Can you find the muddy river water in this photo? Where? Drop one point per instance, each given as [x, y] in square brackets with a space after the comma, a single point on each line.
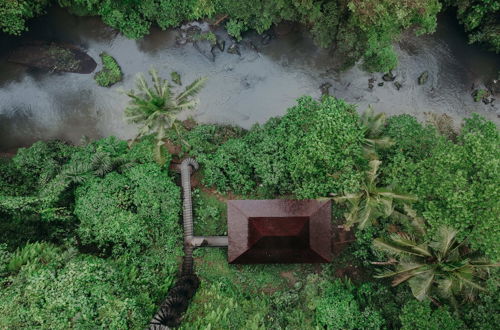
[241, 89]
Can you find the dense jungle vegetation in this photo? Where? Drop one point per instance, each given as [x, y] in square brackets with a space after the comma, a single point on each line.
[91, 234]
[356, 29]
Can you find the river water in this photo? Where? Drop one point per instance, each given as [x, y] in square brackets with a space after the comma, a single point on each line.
[241, 90]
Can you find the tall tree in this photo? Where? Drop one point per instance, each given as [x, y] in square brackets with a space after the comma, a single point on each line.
[371, 201]
[155, 107]
[441, 267]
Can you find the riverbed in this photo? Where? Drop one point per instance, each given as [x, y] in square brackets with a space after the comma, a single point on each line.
[242, 90]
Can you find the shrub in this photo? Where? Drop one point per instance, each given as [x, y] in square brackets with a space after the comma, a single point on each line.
[206, 138]
[420, 315]
[81, 292]
[411, 138]
[311, 151]
[129, 211]
[485, 312]
[322, 142]
[338, 309]
[41, 162]
[215, 308]
[270, 158]
[456, 183]
[210, 215]
[110, 73]
[229, 168]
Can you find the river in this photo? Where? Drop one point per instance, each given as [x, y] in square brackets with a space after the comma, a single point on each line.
[241, 90]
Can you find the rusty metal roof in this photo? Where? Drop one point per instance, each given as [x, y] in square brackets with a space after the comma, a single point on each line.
[279, 231]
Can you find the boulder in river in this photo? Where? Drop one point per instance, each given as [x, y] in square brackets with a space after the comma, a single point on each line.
[380, 84]
[234, 49]
[398, 85]
[221, 44]
[325, 88]
[53, 57]
[494, 86]
[389, 76]
[424, 76]
[205, 48]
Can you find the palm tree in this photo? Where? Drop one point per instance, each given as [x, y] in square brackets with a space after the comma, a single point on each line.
[155, 108]
[371, 202]
[441, 266]
[374, 140]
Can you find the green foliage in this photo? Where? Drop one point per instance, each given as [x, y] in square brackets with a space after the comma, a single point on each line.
[456, 183]
[31, 253]
[15, 13]
[206, 138]
[235, 28]
[438, 267]
[210, 215]
[323, 146]
[65, 293]
[311, 151]
[220, 310]
[229, 169]
[338, 308]
[110, 73]
[206, 36]
[126, 212]
[371, 202]
[484, 313]
[374, 139]
[155, 108]
[480, 94]
[55, 286]
[480, 19]
[176, 77]
[420, 315]
[41, 162]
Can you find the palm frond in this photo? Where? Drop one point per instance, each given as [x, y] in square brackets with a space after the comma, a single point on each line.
[371, 174]
[381, 143]
[386, 192]
[394, 248]
[445, 241]
[352, 197]
[421, 284]
[101, 163]
[366, 215]
[191, 90]
[417, 223]
[469, 282]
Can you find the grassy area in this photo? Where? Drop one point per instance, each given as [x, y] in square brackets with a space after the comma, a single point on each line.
[110, 73]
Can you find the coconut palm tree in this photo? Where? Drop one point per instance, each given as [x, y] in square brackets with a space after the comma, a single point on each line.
[439, 267]
[374, 125]
[155, 107]
[370, 202]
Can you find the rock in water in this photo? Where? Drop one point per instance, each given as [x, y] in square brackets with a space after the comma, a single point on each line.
[380, 84]
[422, 79]
[325, 88]
[234, 49]
[398, 85]
[221, 44]
[389, 76]
[266, 38]
[205, 48]
[53, 57]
